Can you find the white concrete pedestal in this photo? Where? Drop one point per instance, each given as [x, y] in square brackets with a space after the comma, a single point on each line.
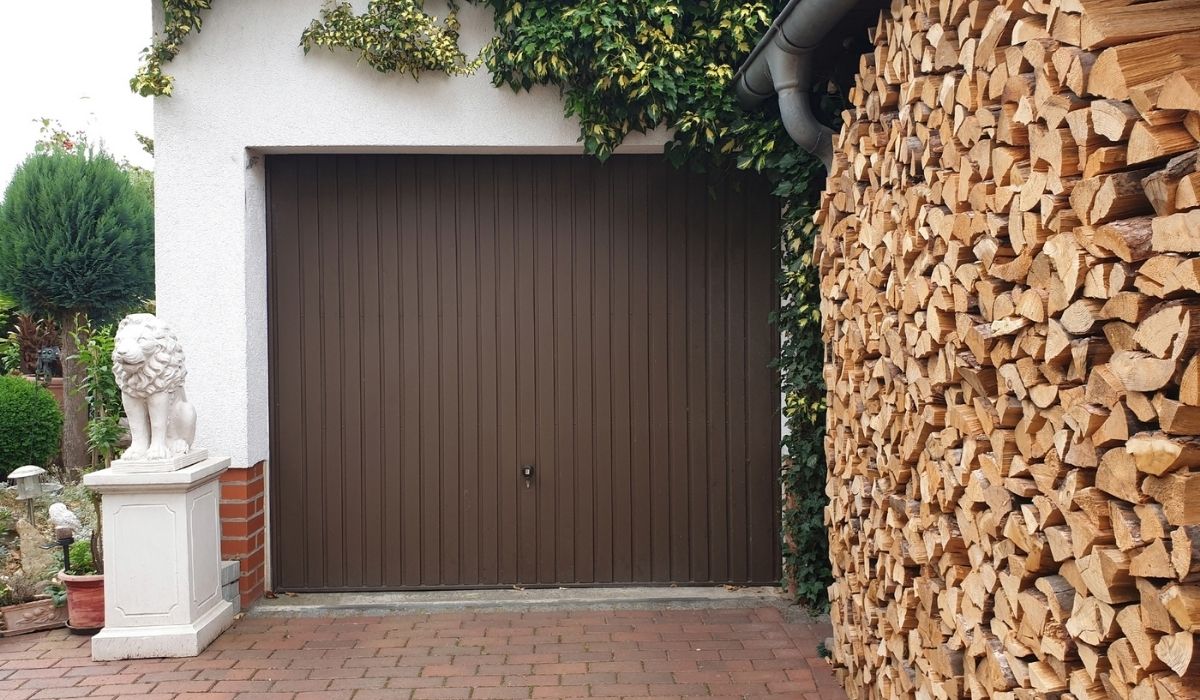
[162, 562]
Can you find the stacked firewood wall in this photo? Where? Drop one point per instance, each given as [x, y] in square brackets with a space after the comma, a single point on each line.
[1010, 260]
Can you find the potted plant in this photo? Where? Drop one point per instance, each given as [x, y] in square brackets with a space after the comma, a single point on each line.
[84, 583]
[83, 577]
[30, 604]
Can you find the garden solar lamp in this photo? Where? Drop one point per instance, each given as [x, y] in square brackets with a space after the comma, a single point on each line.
[28, 483]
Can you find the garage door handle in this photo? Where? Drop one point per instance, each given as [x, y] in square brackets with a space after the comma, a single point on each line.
[527, 474]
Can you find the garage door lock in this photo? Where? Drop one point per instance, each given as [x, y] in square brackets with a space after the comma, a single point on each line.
[527, 474]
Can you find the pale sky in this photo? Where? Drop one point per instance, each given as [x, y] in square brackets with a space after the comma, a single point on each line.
[71, 60]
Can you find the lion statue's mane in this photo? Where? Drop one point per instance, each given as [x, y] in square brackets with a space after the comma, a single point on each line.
[163, 369]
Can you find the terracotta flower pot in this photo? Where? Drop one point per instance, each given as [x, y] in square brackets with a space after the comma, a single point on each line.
[85, 601]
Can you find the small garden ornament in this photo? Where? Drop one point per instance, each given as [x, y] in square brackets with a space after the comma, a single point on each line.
[48, 365]
[63, 517]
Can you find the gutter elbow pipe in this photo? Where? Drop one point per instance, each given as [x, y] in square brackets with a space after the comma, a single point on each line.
[795, 107]
[795, 103]
[781, 64]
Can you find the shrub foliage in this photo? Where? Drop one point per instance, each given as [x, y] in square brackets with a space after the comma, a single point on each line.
[75, 236]
[30, 424]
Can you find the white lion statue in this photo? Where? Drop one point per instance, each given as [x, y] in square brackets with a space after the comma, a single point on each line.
[148, 366]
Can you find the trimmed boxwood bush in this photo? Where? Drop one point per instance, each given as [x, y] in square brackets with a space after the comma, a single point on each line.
[30, 424]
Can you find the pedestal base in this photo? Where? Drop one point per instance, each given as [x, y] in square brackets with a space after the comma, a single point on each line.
[116, 643]
[162, 562]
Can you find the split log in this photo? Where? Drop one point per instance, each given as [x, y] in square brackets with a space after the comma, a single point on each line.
[1108, 24]
[1144, 64]
[1177, 233]
[1181, 90]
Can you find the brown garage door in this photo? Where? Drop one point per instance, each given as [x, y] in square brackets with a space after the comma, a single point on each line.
[437, 322]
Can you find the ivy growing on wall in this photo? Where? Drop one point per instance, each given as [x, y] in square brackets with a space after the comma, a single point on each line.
[394, 36]
[180, 18]
[805, 546]
[632, 65]
[627, 66]
[391, 36]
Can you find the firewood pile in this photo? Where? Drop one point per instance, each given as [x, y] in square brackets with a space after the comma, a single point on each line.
[1010, 261]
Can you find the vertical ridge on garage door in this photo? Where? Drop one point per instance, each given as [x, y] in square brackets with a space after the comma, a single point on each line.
[439, 321]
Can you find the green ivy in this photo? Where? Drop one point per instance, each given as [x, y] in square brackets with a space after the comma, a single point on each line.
[626, 66]
[180, 18]
[806, 545]
[394, 36]
[630, 66]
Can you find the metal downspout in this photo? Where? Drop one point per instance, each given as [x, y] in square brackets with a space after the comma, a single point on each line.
[781, 64]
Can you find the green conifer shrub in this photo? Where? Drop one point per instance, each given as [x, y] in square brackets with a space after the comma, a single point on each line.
[76, 243]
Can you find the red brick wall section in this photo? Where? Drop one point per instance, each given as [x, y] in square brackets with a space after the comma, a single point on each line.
[244, 527]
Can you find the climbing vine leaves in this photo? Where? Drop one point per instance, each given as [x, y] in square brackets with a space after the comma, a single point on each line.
[632, 65]
[805, 546]
[626, 66]
[394, 36]
[180, 18]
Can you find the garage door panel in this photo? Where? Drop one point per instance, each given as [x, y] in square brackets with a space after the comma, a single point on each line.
[506, 360]
[438, 321]
[428, 345]
[736, 322]
[376, 462]
[696, 235]
[446, 468]
[556, 216]
[713, 383]
[290, 396]
[353, 349]
[487, 369]
[305, 469]
[631, 476]
[762, 435]
[543, 427]
[524, 226]
[602, 342]
[677, 380]
[329, 467]
[469, 354]
[389, 371]
[657, 392]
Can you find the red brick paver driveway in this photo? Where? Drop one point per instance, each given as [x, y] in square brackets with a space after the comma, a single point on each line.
[727, 653]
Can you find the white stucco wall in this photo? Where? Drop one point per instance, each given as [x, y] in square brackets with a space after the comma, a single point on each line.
[243, 88]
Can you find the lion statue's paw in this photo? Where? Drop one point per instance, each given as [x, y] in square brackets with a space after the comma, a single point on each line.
[157, 453]
[179, 447]
[133, 454]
